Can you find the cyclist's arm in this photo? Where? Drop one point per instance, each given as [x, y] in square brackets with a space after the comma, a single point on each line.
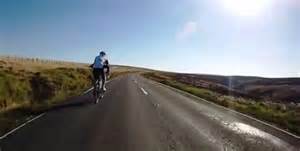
[92, 65]
[106, 65]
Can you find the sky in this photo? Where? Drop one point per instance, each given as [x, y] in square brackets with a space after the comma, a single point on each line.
[227, 37]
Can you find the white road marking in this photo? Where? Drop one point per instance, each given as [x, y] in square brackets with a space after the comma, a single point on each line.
[250, 117]
[27, 122]
[39, 116]
[92, 88]
[145, 92]
[87, 91]
[155, 105]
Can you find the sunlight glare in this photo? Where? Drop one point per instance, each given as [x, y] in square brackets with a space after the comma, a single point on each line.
[246, 7]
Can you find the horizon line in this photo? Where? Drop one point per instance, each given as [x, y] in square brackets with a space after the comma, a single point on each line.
[144, 67]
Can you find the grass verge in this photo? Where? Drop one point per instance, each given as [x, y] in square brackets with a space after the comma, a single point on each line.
[24, 94]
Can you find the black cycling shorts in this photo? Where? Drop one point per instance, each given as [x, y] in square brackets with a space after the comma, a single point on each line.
[97, 72]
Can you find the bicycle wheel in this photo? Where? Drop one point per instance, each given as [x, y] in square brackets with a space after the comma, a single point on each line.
[98, 91]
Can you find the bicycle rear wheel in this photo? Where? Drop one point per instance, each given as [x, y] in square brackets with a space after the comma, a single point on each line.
[98, 93]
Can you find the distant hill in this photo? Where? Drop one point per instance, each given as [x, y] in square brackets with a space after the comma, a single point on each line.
[271, 89]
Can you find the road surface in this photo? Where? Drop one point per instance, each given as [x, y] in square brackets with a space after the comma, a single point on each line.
[137, 114]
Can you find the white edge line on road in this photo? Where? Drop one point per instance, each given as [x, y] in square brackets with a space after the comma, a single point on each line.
[284, 131]
[90, 89]
[145, 92]
[87, 91]
[22, 125]
[39, 116]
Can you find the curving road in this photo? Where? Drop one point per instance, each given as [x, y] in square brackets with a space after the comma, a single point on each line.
[138, 114]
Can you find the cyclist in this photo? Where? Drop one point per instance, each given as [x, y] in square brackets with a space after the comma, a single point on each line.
[99, 66]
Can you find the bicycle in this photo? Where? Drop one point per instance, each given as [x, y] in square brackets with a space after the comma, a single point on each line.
[98, 91]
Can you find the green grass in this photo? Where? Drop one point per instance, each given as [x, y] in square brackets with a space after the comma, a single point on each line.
[45, 86]
[286, 118]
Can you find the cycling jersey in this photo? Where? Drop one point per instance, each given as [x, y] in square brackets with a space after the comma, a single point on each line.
[99, 62]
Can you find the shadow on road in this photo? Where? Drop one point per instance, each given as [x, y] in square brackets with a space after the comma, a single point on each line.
[78, 101]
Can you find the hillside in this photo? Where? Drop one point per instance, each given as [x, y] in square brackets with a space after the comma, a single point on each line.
[269, 89]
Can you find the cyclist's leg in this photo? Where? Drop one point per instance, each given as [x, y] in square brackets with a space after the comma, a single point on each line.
[96, 75]
[94, 81]
[103, 79]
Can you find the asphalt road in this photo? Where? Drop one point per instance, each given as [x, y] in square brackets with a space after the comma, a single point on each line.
[141, 115]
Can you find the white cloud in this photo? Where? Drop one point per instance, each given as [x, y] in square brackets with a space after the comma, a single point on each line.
[187, 31]
[298, 74]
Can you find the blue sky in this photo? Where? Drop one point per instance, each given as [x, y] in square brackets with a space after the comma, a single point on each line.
[228, 37]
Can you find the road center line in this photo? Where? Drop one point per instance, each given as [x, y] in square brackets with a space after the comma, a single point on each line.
[145, 92]
[15, 129]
